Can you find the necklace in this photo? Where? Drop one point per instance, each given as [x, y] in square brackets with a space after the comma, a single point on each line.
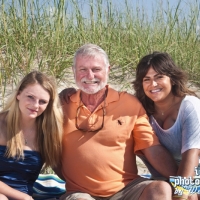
[28, 134]
[25, 141]
[163, 112]
[172, 105]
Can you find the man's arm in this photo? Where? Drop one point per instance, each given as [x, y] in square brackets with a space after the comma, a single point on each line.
[161, 160]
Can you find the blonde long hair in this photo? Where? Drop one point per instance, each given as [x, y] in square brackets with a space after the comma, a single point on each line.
[49, 123]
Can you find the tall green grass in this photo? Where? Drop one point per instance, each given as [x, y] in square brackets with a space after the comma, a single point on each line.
[45, 36]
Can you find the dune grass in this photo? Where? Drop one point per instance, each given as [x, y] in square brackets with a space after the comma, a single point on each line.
[45, 36]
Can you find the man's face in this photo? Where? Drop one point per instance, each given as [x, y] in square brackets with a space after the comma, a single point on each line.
[91, 73]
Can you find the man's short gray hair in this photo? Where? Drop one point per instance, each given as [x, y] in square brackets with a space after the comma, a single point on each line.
[91, 50]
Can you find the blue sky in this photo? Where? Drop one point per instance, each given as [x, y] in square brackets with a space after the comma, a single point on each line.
[147, 6]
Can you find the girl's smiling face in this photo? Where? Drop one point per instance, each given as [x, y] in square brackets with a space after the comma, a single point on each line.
[33, 101]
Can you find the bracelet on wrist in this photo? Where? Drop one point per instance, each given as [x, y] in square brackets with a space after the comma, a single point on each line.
[180, 197]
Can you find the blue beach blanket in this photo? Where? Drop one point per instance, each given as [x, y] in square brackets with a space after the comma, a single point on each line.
[51, 187]
[48, 186]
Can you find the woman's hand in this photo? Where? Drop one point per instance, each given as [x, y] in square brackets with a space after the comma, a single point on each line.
[7, 192]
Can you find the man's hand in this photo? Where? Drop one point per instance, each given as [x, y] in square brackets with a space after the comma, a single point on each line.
[66, 94]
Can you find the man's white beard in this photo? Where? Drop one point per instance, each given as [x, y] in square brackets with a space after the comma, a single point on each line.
[92, 90]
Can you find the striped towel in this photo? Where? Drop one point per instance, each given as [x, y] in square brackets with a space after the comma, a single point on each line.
[48, 186]
[148, 176]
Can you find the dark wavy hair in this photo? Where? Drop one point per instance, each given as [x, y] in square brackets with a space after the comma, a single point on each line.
[163, 64]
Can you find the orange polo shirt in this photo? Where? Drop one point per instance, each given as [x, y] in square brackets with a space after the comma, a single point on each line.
[101, 163]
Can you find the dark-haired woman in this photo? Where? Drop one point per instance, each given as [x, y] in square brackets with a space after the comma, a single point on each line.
[173, 109]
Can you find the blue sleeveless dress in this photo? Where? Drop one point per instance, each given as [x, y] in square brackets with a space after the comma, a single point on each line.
[20, 174]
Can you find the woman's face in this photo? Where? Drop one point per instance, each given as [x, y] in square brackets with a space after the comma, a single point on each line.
[157, 86]
[33, 100]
